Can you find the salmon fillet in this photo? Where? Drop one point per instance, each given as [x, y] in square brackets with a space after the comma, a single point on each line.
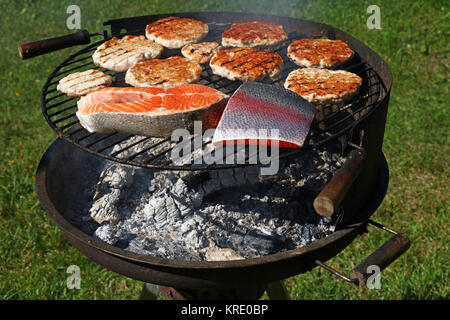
[261, 113]
[150, 111]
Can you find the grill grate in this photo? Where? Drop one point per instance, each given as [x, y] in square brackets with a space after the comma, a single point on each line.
[149, 152]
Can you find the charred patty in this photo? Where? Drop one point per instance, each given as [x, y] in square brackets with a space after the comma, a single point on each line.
[121, 54]
[81, 83]
[323, 86]
[319, 53]
[163, 73]
[254, 34]
[200, 52]
[246, 64]
[175, 32]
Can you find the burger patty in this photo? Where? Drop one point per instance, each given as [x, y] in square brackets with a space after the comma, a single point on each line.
[319, 53]
[121, 54]
[81, 83]
[254, 34]
[175, 32]
[323, 86]
[200, 52]
[163, 73]
[246, 64]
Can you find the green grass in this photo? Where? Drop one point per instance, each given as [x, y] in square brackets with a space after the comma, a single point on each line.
[34, 255]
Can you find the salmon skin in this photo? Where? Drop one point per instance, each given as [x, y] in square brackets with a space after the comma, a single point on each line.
[259, 113]
[150, 111]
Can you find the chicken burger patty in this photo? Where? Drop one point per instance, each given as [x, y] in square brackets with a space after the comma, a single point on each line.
[175, 32]
[254, 34]
[323, 86]
[319, 53]
[163, 73]
[246, 64]
[121, 54]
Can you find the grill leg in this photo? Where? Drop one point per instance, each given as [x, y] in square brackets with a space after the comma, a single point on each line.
[149, 292]
[236, 293]
[277, 291]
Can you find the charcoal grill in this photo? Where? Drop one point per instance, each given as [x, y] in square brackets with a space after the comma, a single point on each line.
[358, 189]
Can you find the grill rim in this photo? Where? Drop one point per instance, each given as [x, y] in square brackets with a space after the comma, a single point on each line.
[326, 29]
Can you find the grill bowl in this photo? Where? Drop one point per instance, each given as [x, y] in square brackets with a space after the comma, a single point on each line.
[66, 168]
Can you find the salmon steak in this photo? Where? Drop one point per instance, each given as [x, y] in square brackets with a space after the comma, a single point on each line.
[150, 111]
[259, 113]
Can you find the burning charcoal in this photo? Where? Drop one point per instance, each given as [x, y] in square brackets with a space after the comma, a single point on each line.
[215, 253]
[263, 241]
[112, 188]
[106, 233]
[211, 215]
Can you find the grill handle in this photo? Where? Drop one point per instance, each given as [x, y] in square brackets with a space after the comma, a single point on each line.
[329, 199]
[37, 48]
[380, 258]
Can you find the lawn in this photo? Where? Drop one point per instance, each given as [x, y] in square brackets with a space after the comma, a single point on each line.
[34, 256]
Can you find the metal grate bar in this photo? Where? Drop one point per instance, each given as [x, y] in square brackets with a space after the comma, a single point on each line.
[73, 69]
[78, 60]
[114, 154]
[158, 155]
[54, 97]
[68, 125]
[100, 139]
[90, 134]
[59, 103]
[347, 107]
[129, 158]
[64, 118]
[74, 131]
[62, 110]
[115, 143]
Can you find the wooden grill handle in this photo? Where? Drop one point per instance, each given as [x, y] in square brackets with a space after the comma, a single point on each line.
[334, 192]
[37, 48]
[381, 258]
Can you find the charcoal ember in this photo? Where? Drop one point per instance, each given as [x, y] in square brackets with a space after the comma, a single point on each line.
[112, 188]
[161, 248]
[215, 253]
[264, 242]
[106, 233]
[211, 215]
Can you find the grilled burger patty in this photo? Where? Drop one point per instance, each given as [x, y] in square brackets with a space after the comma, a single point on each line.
[323, 86]
[175, 32]
[246, 64]
[121, 54]
[255, 34]
[319, 53]
[163, 73]
[200, 52]
[81, 83]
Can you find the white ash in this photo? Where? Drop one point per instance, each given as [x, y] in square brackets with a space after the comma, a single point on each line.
[211, 215]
